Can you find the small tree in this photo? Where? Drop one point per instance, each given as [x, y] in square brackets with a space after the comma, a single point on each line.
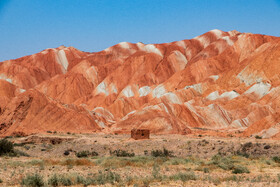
[6, 147]
[258, 137]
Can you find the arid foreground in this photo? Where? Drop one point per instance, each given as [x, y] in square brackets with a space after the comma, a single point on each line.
[56, 159]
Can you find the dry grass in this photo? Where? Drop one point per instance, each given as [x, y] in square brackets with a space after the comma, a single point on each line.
[200, 169]
[149, 170]
[67, 162]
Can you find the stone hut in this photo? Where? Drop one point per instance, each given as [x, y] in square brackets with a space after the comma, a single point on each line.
[138, 134]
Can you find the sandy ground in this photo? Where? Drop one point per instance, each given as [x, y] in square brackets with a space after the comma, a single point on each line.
[46, 157]
[204, 147]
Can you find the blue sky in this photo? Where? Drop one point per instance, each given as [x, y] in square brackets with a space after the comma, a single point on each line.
[30, 26]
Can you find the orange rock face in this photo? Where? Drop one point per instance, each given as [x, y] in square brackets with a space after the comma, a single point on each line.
[217, 83]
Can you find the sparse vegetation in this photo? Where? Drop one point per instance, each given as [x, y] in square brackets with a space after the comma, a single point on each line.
[121, 153]
[18, 144]
[53, 180]
[34, 180]
[226, 163]
[234, 178]
[93, 153]
[247, 145]
[276, 159]
[82, 154]
[243, 154]
[206, 170]
[162, 153]
[107, 177]
[153, 165]
[240, 169]
[60, 180]
[155, 171]
[183, 176]
[76, 162]
[146, 152]
[65, 180]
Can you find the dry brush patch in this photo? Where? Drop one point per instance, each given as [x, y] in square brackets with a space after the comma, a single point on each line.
[153, 170]
[154, 165]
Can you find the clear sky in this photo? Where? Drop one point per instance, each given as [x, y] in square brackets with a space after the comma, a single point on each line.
[30, 26]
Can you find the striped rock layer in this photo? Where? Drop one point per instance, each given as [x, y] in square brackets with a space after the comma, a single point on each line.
[219, 83]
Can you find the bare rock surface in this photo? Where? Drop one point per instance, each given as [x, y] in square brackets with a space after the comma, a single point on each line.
[219, 84]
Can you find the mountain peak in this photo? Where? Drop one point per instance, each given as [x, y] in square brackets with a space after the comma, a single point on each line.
[215, 81]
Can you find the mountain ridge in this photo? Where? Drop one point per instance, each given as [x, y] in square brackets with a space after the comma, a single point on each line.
[223, 82]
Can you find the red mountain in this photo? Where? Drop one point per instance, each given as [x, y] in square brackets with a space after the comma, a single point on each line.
[218, 83]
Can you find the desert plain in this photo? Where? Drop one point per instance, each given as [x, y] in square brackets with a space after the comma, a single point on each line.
[69, 159]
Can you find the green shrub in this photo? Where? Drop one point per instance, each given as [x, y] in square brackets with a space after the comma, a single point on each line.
[100, 178]
[80, 180]
[155, 171]
[244, 148]
[243, 154]
[278, 177]
[82, 154]
[247, 145]
[121, 153]
[216, 181]
[35, 162]
[162, 153]
[183, 176]
[18, 144]
[137, 161]
[146, 152]
[146, 181]
[176, 161]
[206, 170]
[1, 181]
[107, 177]
[129, 180]
[65, 181]
[240, 169]
[93, 153]
[258, 137]
[53, 180]
[234, 178]
[226, 163]
[276, 159]
[18, 135]
[85, 181]
[6, 147]
[35, 180]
